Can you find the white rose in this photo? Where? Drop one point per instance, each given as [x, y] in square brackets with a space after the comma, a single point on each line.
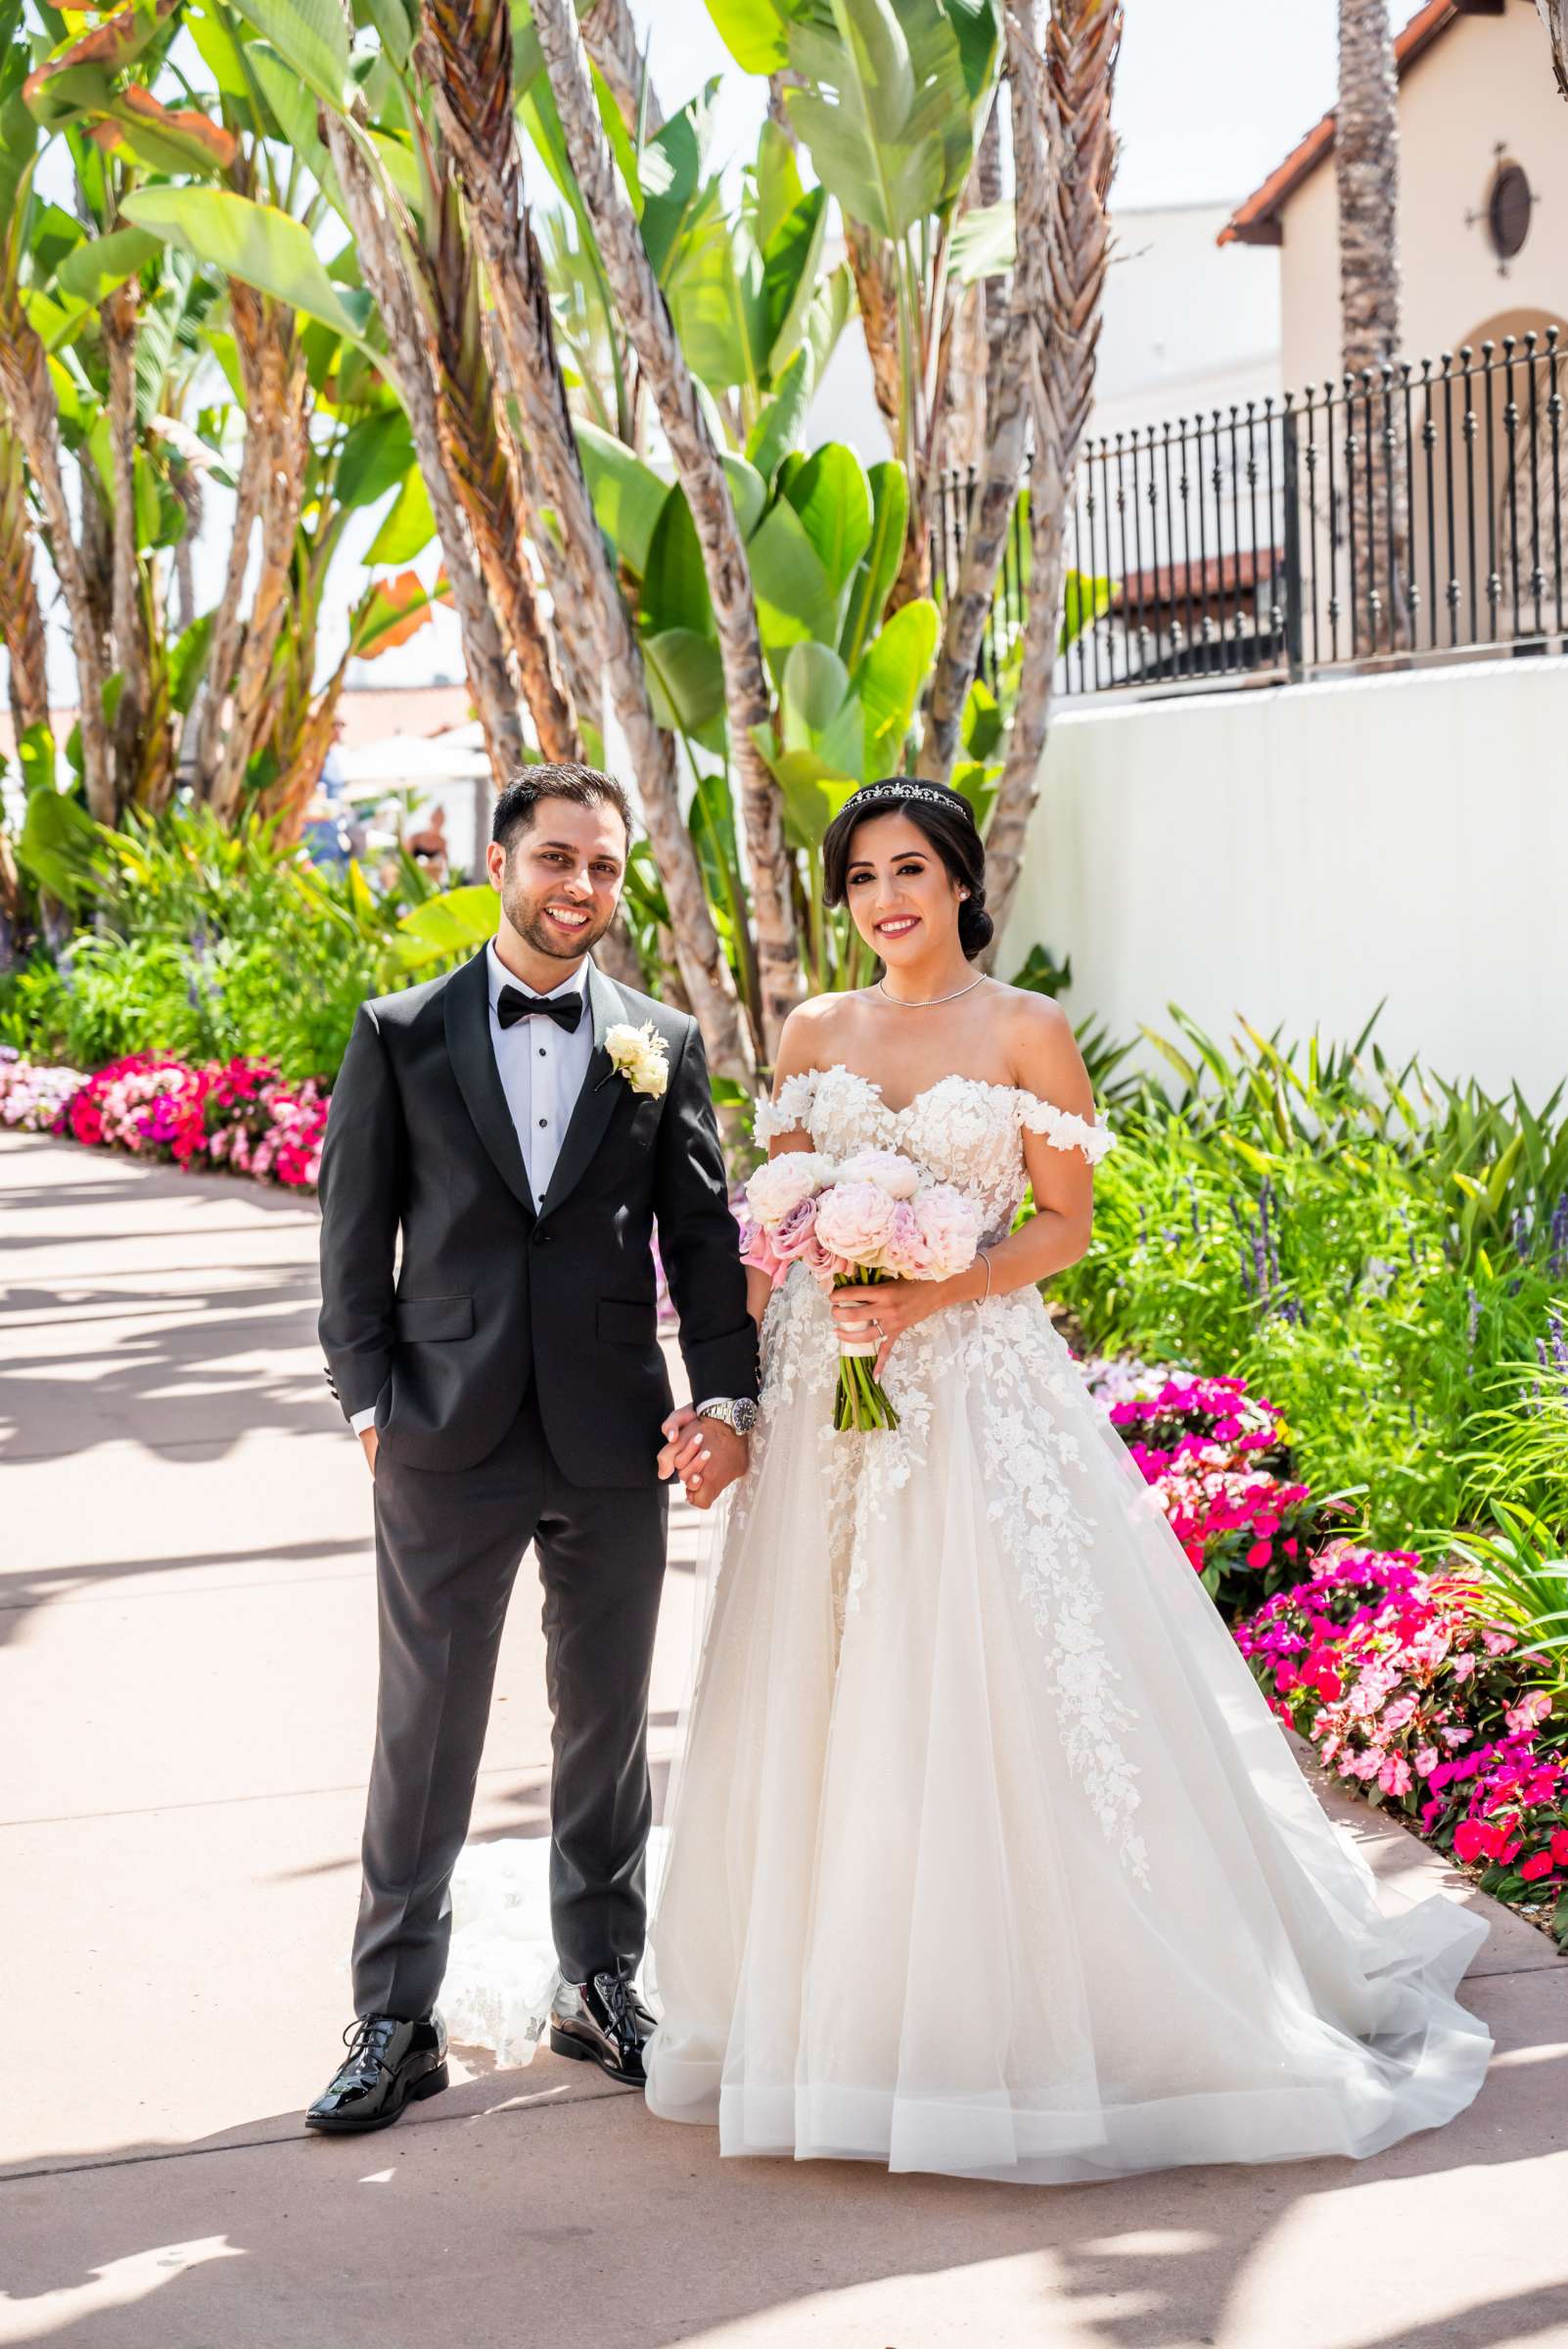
[777, 1187]
[638, 1054]
[889, 1170]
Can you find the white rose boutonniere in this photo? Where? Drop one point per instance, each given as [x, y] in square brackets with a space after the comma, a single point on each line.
[640, 1056]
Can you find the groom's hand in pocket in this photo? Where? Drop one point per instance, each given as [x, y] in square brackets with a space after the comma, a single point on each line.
[368, 1443]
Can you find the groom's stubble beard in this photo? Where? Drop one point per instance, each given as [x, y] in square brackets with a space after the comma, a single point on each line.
[524, 910]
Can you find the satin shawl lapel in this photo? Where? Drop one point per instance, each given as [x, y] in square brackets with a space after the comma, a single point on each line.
[595, 1104]
[472, 1059]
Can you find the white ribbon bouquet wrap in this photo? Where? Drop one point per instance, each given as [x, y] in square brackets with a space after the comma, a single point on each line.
[871, 1218]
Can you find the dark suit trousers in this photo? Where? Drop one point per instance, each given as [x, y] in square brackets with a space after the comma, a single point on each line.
[447, 1551]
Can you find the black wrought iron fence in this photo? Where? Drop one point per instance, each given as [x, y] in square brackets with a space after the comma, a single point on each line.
[1414, 511]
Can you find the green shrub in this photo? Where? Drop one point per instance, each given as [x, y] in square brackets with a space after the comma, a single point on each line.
[207, 944]
[1385, 1277]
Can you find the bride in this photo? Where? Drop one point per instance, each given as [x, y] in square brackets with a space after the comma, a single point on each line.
[987, 1855]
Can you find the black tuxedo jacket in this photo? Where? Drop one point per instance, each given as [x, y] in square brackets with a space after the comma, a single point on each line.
[496, 1294]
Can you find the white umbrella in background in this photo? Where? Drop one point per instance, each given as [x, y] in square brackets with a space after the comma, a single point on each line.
[448, 771]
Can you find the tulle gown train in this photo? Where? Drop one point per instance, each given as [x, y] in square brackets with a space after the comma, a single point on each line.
[987, 1855]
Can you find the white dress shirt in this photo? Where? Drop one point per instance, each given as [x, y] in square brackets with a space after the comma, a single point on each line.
[541, 1070]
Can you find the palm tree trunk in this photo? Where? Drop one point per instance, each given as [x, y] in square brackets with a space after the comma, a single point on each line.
[971, 597]
[610, 39]
[1062, 118]
[21, 624]
[466, 56]
[485, 471]
[647, 321]
[284, 409]
[995, 495]
[289, 793]
[1366, 173]
[36, 416]
[1554, 16]
[117, 323]
[998, 307]
[408, 369]
[874, 267]
[250, 500]
[186, 484]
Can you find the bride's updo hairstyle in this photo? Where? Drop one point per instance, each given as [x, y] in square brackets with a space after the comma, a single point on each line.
[947, 821]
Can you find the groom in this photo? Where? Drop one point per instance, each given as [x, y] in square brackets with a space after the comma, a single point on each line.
[504, 1376]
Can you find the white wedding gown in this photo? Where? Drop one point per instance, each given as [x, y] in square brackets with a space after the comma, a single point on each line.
[987, 1855]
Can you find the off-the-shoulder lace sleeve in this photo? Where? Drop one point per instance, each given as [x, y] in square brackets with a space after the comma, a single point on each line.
[789, 1113]
[1064, 1128]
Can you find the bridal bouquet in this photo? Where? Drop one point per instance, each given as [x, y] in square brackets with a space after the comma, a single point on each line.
[871, 1218]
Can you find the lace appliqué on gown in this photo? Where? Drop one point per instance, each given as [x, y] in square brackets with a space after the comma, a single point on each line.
[1029, 1459]
[965, 1131]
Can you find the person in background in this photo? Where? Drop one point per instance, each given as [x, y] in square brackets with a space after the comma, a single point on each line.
[429, 845]
[329, 837]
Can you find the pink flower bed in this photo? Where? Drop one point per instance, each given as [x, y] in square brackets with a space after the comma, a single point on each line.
[1409, 1689]
[1212, 1454]
[31, 1098]
[239, 1114]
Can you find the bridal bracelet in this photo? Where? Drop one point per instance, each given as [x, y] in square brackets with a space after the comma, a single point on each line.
[983, 1255]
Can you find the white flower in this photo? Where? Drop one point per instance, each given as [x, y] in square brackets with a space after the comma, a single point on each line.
[640, 1055]
[889, 1170]
[779, 1185]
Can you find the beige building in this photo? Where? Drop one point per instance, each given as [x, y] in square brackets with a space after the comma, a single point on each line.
[1482, 195]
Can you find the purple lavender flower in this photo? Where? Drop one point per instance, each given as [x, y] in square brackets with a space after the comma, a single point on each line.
[1559, 1349]
[1557, 1261]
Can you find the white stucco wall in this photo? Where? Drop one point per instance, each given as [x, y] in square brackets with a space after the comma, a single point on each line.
[1487, 82]
[1291, 854]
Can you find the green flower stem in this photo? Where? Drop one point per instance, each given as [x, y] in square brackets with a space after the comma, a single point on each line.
[862, 1402]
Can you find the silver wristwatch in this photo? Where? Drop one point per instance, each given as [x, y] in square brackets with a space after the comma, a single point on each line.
[738, 1413]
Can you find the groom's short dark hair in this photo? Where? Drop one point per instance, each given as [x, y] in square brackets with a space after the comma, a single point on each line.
[584, 786]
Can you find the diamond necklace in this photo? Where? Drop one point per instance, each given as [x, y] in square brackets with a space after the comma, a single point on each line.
[931, 1001]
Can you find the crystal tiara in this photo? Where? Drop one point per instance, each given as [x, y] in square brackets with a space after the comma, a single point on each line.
[898, 790]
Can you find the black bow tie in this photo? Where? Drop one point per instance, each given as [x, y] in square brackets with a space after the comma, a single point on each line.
[511, 1006]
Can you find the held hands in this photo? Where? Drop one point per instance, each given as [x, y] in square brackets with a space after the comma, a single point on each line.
[705, 1454]
[883, 1309]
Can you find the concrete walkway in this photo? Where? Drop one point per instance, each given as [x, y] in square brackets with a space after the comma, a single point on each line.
[186, 1606]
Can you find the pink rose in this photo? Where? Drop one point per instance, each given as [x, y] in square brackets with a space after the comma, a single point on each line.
[950, 1226]
[795, 1234]
[760, 1253]
[905, 1251]
[853, 1221]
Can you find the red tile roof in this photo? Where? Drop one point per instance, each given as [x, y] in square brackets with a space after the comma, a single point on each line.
[1257, 221]
[369, 714]
[1222, 578]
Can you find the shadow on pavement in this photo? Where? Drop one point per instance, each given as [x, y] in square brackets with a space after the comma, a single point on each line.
[527, 2206]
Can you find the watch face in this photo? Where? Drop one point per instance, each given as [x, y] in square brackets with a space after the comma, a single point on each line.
[745, 1417]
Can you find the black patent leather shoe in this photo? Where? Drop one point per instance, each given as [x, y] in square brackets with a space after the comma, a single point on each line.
[389, 2065]
[604, 2022]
